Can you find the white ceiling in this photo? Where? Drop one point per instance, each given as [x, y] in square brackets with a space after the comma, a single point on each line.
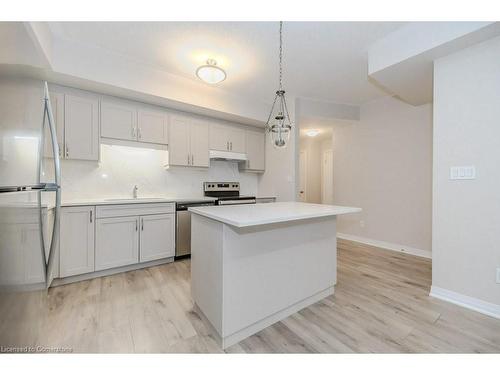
[322, 60]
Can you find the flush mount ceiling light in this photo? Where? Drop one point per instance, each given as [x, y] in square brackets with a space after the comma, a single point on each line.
[312, 132]
[211, 73]
[278, 122]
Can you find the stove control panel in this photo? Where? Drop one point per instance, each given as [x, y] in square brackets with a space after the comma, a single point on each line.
[221, 186]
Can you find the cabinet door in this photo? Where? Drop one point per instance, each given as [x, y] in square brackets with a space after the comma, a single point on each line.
[255, 147]
[236, 140]
[118, 120]
[179, 142]
[81, 127]
[157, 237]
[34, 269]
[199, 144]
[117, 242]
[76, 246]
[219, 137]
[152, 126]
[57, 102]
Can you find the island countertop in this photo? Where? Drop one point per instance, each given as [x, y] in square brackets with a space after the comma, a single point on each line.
[267, 213]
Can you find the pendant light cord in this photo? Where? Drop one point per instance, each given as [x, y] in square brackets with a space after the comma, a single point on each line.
[281, 55]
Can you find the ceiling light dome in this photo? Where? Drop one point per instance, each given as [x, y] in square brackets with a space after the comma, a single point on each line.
[211, 73]
[312, 132]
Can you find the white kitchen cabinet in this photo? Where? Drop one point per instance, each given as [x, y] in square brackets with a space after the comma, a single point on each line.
[21, 261]
[226, 138]
[81, 126]
[57, 103]
[76, 246]
[199, 144]
[118, 120]
[188, 142]
[152, 126]
[179, 136]
[157, 237]
[117, 242]
[255, 149]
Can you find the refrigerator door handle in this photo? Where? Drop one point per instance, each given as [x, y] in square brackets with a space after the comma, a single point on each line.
[48, 263]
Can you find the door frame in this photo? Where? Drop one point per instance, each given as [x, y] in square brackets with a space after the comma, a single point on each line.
[323, 180]
[304, 152]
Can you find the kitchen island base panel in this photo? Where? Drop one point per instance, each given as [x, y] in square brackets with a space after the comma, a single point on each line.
[245, 279]
[236, 337]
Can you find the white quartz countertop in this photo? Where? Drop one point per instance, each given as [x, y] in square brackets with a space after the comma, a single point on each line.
[109, 201]
[267, 213]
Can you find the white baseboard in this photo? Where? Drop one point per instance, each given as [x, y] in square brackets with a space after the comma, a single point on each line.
[483, 307]
[387, 245]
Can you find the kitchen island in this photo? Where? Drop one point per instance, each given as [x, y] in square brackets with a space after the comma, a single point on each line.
[253, 265]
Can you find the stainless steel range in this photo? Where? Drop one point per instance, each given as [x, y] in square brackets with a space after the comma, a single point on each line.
[227, 193]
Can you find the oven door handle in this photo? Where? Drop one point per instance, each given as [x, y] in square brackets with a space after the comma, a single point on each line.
[235, 201]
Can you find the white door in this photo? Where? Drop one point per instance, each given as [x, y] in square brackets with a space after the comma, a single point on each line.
[302, 176]
[179, 141]
[118, 120]
[199, 144]
[57, 103]
[152, 126]
[236, 140]
[76, 245]
[157, 237]
[219, 137]
[81, 127]
[255, 149]
[117, 242]
[327, 177]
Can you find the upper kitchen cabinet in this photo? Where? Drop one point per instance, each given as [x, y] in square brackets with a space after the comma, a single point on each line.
[226, 138]
[188, 142]
[130, 121]
[57, 103]
[152, 126]
[118, 120]
[81, 126]
[255, 147]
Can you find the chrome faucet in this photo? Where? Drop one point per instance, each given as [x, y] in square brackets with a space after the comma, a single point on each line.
[134, 191]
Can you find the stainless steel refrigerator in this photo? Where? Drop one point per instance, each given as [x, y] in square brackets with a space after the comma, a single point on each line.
[30, 197]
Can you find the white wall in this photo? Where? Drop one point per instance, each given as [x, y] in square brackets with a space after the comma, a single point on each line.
[466, 214]
[383, 164]
[123, 167]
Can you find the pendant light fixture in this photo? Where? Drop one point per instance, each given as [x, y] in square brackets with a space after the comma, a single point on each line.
[278, 123]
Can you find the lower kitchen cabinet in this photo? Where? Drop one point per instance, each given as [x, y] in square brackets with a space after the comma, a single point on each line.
[76, 246]
[117, 242]
[157, 237]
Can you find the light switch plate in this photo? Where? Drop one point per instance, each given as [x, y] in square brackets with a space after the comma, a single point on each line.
[467, 172]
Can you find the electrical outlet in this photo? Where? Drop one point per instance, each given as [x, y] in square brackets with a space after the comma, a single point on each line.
[498, 275]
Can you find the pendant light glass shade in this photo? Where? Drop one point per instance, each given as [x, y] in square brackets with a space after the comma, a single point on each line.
[278, 123]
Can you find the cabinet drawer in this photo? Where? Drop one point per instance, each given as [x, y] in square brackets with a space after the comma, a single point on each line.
[136, 209]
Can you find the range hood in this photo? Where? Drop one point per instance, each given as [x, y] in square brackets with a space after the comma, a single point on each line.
[228, 155]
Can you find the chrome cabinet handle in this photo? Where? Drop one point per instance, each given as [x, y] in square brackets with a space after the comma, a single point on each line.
[133, 132]
[90, 215]
[139, 134]
[231, 146]
[67, 151]
[136, 225]
[142, 224]
[192, 159]
[227, 146]
[188, 160]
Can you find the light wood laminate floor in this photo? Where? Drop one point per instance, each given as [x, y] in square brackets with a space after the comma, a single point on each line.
[380, 305]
